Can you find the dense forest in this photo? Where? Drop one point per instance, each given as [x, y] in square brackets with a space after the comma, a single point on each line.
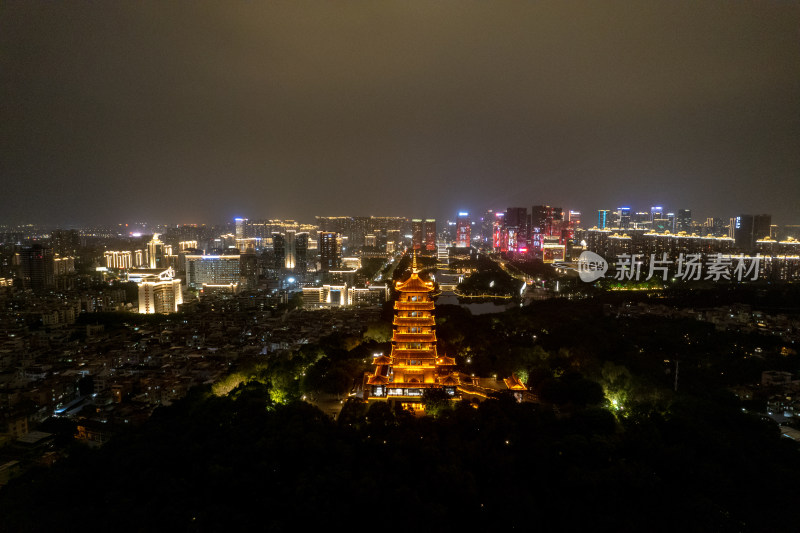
[212, 463]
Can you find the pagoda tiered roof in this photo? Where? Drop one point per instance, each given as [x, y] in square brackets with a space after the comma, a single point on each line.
[414, 306]
[450, 380]
[409, 321]
[413, 337]
[412, 353]
[377, 380]
[414, 284]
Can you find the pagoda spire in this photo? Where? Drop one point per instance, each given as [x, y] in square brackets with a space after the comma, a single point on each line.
[414, 262]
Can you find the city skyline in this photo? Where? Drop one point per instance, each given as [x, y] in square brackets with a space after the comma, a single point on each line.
[143, 111]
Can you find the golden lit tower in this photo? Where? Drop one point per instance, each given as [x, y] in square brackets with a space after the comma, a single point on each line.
[414, 364]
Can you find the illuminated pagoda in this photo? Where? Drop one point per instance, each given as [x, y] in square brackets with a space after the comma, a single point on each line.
[413, 365]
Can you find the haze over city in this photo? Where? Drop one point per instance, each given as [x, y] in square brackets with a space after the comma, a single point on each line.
[199, 112]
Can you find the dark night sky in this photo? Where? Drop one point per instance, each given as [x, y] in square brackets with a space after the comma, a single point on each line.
[186, 112]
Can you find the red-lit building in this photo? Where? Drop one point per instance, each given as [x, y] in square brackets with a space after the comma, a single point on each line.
[463, 231]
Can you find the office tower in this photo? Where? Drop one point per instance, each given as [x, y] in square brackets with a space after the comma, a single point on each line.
[603, 218]
[742, 231]
[656, 212]
[155, 253]
[463, 231]
[289, 248]
[160, 293]
[423, 234]
[393, 240]
[241, 228]
[546, 221]
[213, 270]
[671, 218]
[328, 251]
[747, 229]
[301, 253]
[499, 235]
[417, 233]
[279, 251]
[574, 218]
[683, 220]
[430, 235]
[761, 226]
[516, 229]
[486, 227]
[622, 217]
[248, 270]
[37, 268]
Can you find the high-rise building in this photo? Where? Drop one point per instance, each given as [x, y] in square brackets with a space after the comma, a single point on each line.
[241, 228]
[423, 234]
[761, 226]
[430, 235]
[603, 218]
[248, 270]
[290, 250]
[656, 212]
[393, 240]
[155, 253]
[622, 217]
[463, 231]
[499, 235]
[516, 229]
[212, 270]
[683, 220]
[328, 251]
[486, 228]
[747, 229]
[37, 267]
[65, 242]
[417, 234]
[160, 294]
[301, 253]
[546, 221]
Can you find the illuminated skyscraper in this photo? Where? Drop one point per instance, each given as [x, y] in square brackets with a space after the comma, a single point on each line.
[212, 270]
[155, 253]
[328, 251]
[160, 294]
[683, 220]
[463, 231]
[603, 218]
[423, 234]
[656, 212]
[241, 228]
[622, 217]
